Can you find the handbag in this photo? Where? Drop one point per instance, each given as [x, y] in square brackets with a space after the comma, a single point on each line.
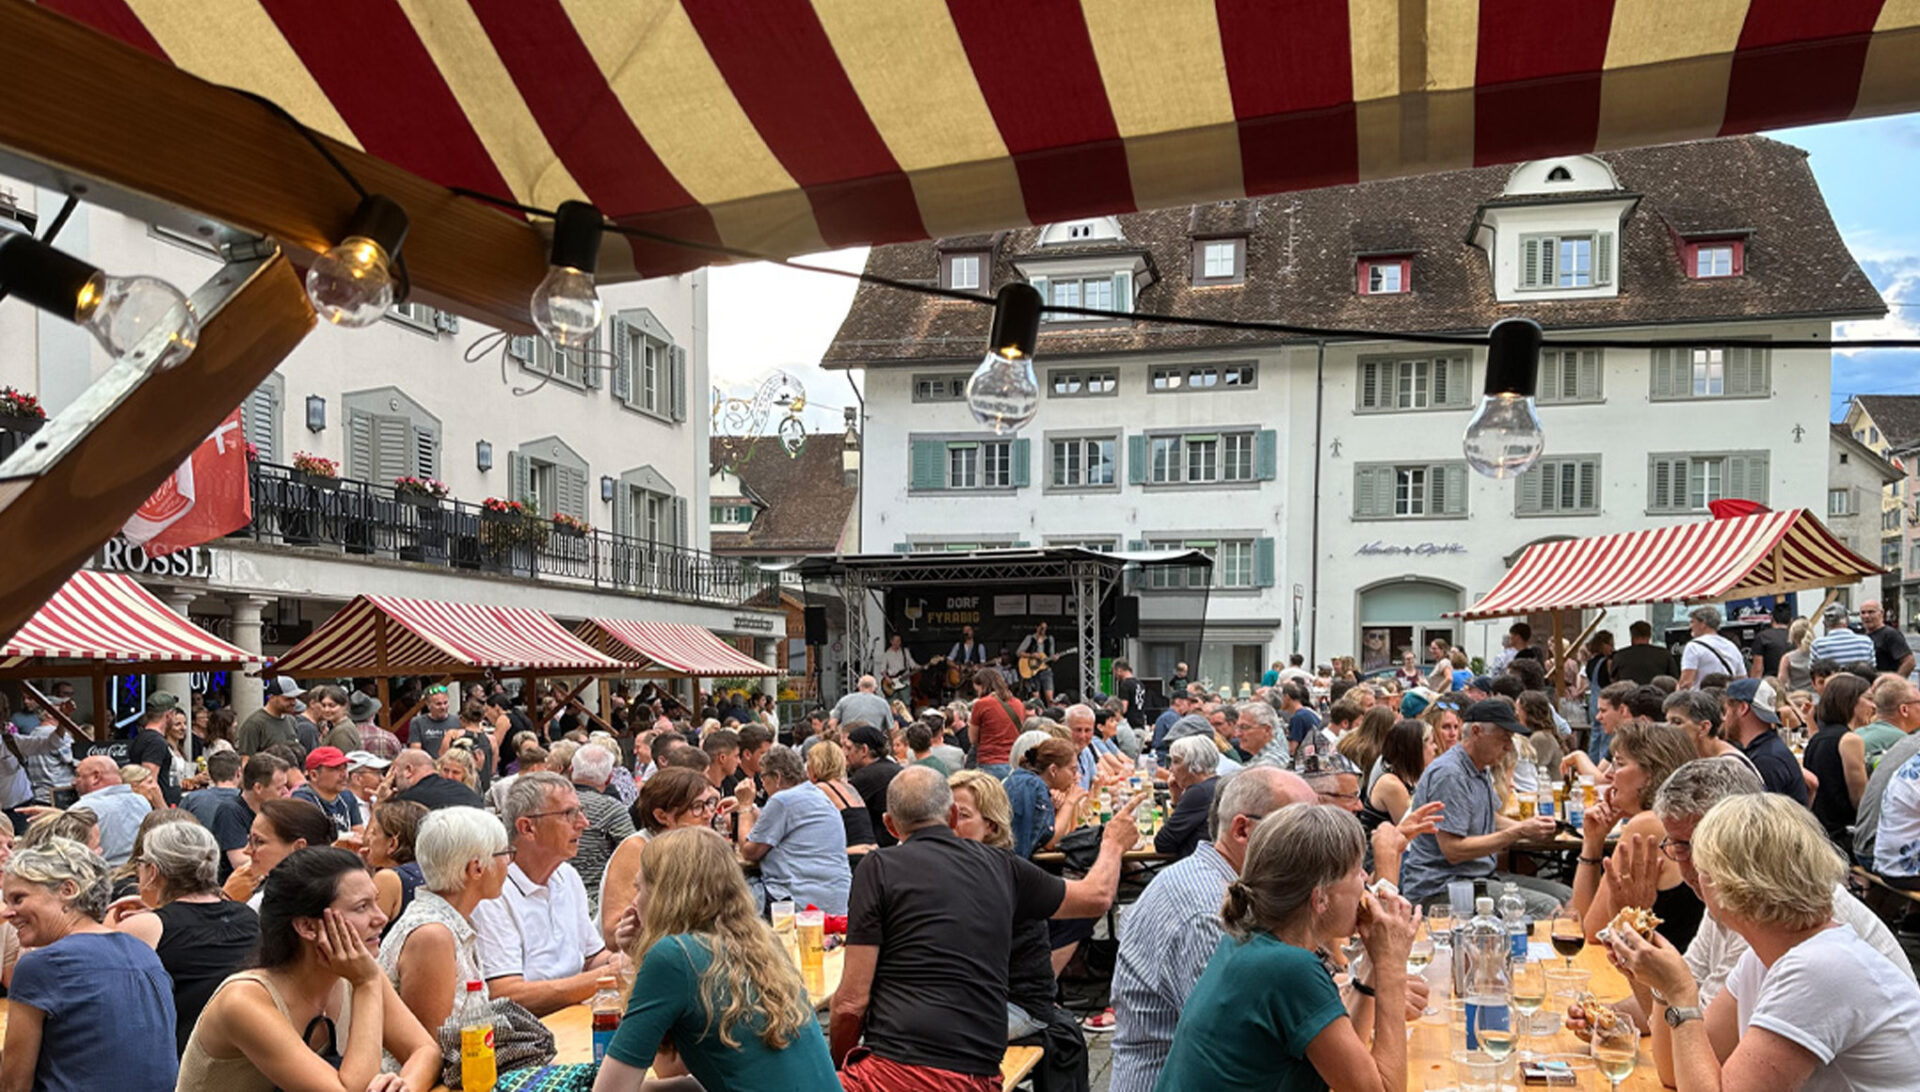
[1082, 847]
[520, 1041]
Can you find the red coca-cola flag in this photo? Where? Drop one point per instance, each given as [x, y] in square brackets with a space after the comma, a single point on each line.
[207, 497]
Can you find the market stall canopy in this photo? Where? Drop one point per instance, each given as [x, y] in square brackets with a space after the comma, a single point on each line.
[791, 126]
[109, 619]
[669, 648]
[1768, 553]
[387, 635]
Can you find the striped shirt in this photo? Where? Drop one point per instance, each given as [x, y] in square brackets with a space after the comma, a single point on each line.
[1843, 646]
[1166, 940]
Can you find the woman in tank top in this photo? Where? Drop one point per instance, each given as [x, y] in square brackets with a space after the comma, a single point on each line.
[1645, 754]
[200, 936]
[317, 1010]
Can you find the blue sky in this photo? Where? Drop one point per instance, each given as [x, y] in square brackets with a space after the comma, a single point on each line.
[1859, 164]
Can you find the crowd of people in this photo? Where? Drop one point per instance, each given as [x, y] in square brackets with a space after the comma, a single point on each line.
[307, 905]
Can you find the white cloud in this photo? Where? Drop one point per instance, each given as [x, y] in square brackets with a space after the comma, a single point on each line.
[1898, 279]
[764, 318]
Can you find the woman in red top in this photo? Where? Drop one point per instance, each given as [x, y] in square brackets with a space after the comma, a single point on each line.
[992, 727]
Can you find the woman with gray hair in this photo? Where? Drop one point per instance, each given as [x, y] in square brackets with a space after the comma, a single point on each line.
[200, 936]
[98, 1002]
[797, 837]
[1191, 781]
[431, 952]
[1266, 1013]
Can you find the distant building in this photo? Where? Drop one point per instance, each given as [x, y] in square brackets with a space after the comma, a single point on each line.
[1890, 425]
[1857, 478]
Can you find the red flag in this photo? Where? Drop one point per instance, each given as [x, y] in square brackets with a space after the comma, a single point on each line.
[207, 497]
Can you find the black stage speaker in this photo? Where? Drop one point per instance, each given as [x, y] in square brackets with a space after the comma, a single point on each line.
[1126, 616]
[817, 625]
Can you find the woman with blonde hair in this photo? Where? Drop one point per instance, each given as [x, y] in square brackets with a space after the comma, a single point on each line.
[1645, 753]
[142, 782]
[827, 768]
[983, 814]
[1795, 673]
[1265, 1013]
[713, 985]
[1811, 1004]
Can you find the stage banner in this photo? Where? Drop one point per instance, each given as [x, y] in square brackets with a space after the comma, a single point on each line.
[929, 617]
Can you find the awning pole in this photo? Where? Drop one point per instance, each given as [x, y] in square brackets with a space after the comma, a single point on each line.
[1559, 660]
[382, 686]
[102, 714]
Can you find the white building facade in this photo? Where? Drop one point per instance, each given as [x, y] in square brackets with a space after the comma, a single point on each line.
[1325, 476]
[616, 439]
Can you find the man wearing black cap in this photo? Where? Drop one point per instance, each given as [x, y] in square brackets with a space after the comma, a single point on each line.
[149, 746]
[1471, 833]
[872, 769]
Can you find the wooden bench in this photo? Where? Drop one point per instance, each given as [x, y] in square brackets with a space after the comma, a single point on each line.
[1018, 1063]
[1884, 899]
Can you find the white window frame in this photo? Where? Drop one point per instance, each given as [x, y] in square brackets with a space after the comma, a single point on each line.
[1712, 260]
[963, 271]
[1708, 366]
[979, 465]
[1219, 259]
[1409, 492]
[1568, 269]
[1380, 283]
[1845, 505]
[1071, 462]
[1082, 382]
[939, 388]
[1236, 376]
[1209, 458]
[1075, 292]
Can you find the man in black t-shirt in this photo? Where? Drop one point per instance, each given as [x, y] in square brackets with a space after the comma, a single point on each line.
[1642, 661]
[1770, 644]
[929, 935]
[1132, 695]
[1890, 651]
[264, 778]
[872, 769]
[149, 745]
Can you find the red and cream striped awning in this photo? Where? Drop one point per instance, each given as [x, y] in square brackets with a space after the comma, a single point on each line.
[670, 648]
[790, 126]
[427, 637]
[1769, 553]
[107, 617]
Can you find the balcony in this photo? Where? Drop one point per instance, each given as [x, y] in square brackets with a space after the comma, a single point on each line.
[361, 519]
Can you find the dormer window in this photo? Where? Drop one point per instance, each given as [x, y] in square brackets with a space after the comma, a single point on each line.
[1583, 260]
[1707, 259]
[965, 271]
[1386, 275]
[1219, 261]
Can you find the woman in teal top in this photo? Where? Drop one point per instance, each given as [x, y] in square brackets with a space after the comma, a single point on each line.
[716, 995]
[1265, 1014]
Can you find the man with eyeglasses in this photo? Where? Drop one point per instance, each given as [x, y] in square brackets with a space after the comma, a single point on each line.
[1633, 878]
[1895, 702]
[539, 942]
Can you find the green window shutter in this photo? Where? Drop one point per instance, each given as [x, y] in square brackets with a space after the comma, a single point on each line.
[623, 509]
[679, 380]
[1137, 459]
[1666, 483]
[1450, 382]
[1663, 369]
[360, 446]
[1022, 455]
[1549, 252]
[1136, 544]
[1372, 492]
[1370, 378]
[1603, 258]
[1747, 476]
[622, 360]
[519, 476]
[929, 470]
[1123, 291]
[1530, 490]
[1266, 454]
[1760, 368]
[1530, 250]
[1020, 544]
[573, 492]
[682, 529]
[1746, 372]
[426, 451]
[903, 547]
[392, 448]
[1588, 499]
[1263, 563]
[1447, 489]
[1587, 375]
[1551, 363]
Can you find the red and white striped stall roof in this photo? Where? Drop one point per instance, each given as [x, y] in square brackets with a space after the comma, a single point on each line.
[107, 616]
[793, 126]
[425, 636]
[1769, 553]
[674, 647]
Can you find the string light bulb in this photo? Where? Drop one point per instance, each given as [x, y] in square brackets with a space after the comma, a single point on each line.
[1504, 437]
[566, 307]
[1003, 392]
[139, 319]
[352, 283]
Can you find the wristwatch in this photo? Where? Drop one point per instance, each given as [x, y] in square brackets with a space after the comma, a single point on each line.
[1677, 1015]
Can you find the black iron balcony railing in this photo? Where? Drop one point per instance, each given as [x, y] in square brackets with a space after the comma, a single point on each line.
[363, 519]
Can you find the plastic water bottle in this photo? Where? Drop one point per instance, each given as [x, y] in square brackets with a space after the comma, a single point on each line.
[606, 1010]
[1544, 804]
[477, 1070]
[1513, 911]
[1480, 967]
[1576, 808]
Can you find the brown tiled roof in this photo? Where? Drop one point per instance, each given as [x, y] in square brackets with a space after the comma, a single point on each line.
[1300, 263]
[807, 500]
[1896, 415]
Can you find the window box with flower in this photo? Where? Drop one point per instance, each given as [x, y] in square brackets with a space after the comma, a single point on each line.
[21, 415]
[315, 469]
[511, 533]
[569, 525]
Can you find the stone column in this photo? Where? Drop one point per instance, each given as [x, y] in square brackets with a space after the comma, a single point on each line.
[767, 651]
[179, 684]
[247, 691]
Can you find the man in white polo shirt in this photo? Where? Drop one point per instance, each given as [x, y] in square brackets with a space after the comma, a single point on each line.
[538, 944]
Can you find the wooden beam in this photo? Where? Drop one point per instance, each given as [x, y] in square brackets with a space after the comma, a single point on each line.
[88, 468]
[88, 114]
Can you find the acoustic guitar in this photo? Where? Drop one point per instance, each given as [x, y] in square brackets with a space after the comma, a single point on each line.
[1031, 663]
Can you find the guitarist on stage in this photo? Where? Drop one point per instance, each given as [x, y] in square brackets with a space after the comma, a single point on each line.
[897, 666]
[967, 650]
[1036, 654]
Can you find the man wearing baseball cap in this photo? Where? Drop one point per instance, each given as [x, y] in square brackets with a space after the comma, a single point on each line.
[872, 768]
[1469, 836]
[1752, 722]
[273, 722]
[327, 786]
[365, 771]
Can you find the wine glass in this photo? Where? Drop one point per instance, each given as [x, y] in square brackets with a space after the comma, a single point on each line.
[1493, 1027]
[1615, 1049]
[1569, 934]
[1527, 989]
[1440, 925]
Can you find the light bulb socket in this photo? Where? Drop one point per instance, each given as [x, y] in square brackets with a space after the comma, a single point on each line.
[1016, 321]
[42, 276]
[576, 236]
[1513, 357]
[382, 220]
